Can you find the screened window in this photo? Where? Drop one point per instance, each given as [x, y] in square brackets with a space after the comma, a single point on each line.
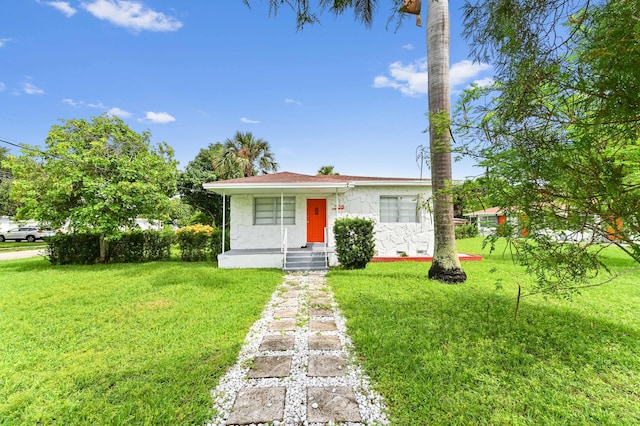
[267, 211]
[398, 209]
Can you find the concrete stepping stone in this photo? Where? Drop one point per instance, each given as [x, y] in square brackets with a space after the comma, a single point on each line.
[285, 313]
[332, 404]
[326, 366]
[316, 286]
[282, 325]
[277, 343]
[270, 366]
[324, 343]
[318, 294]
[321, 301]
[320, 312]
[258, 405]
[290, 294]
[288, 303]
[322, 325]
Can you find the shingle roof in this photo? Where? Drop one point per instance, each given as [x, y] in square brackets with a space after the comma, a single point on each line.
[292, 178]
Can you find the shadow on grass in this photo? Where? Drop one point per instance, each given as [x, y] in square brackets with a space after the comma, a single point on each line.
[444, 354]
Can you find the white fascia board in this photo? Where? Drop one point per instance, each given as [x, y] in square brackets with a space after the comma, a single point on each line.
[239, 188]
[391, 183]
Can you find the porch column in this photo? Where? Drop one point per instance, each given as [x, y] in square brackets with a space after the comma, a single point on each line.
[224, 218]
[281, 220]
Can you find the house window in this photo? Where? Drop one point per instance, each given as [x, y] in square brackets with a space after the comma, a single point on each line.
[267, 211]
[398, 209]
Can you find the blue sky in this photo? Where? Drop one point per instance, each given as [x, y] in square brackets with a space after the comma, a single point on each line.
[195, 72]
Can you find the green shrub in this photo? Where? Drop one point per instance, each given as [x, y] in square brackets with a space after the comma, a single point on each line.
[194, 242]
[130, 247]
[466, 231]
[73, 249]
[157, 244]
[216, 243]
[355, 245]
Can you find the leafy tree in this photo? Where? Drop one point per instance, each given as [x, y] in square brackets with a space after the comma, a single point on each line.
[446, 265]
[559, 130]
[327, 171]
[94, 176]
[243, 155]
[199, 171]
[7, 205]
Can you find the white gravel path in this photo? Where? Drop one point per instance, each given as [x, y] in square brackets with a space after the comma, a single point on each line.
[371, 405]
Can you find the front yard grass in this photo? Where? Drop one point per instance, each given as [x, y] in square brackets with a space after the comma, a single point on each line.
[443, 354]
[9, 246]
[121, 344]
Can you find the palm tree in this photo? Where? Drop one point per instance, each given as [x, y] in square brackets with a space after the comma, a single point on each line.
[244, 155]
[446, 265]
[327, 171]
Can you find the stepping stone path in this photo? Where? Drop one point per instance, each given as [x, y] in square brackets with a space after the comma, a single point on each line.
[296, 366]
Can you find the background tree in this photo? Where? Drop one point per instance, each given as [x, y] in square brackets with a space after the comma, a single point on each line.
[199, 171]
[446, 265]
[559, 130]
[7, 205]
[96, 176]
[243, 155]
[327, 171]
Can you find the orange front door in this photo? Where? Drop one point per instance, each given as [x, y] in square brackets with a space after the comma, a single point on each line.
[316, 220]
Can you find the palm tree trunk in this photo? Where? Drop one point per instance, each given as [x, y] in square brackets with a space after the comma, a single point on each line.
[446, 265]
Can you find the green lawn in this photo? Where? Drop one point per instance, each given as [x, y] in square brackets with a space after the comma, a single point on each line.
[9, 246]
[121, 344]
[443, 354]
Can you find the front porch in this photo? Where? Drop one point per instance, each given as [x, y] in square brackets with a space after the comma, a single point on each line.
[307, 258]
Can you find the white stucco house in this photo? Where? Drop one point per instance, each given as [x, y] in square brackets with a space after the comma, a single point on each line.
[275, 218]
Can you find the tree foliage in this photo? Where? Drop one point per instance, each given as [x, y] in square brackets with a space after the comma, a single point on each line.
[327, 171]
[559, 130]
[94, 176]
[8, 206]
[199, 171]
[244, 155]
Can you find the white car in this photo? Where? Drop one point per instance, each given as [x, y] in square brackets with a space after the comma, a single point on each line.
[29, 233]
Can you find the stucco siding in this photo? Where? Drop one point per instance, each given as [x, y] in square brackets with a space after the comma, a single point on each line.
[414, 239]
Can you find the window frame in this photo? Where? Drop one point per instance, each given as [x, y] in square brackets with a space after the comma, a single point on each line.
[269, 210]
[399, 212]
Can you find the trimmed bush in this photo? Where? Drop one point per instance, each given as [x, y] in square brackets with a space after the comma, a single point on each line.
[73, 249]
[466, 231]
[216, 243]
[194, 242]
[355, 245]
[130, 247]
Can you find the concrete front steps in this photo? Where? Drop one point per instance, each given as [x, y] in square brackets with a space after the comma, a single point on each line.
[310, 258]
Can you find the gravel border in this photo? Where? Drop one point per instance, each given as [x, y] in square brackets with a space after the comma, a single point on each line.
[372, 408]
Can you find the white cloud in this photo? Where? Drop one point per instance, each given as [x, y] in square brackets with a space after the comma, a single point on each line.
[115, 111]
[71, 102]
[408, 46]
[411, 79]
[132, 15]
[99, 105]
[2, 86]
[31, 89]
[4, 41]
[292, 101]
[463, 71]
[248, 121]
[160, 117]
[64, 7]
[484, 82]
